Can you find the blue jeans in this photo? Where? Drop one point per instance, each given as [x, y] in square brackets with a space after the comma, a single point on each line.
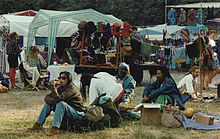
[59, 111]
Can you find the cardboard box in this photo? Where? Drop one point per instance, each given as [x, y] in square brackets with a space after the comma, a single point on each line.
[150, 113]
[204, 119]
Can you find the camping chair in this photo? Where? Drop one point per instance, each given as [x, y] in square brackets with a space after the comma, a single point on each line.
[26, 79]
[42, 79]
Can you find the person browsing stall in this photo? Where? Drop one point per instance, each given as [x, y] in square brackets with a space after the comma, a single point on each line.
[65, 98]
[13, 50]
[189, 82]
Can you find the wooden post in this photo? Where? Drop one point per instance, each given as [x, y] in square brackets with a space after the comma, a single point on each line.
[200, 63]
[81, 55]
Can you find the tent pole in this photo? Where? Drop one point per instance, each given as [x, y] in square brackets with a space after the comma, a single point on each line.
[118, 51]
[165, 18]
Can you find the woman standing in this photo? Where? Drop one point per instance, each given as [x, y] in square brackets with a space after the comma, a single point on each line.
[13, 50]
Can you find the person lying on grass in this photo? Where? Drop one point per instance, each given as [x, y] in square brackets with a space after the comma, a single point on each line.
[64, 99]
[163, 91]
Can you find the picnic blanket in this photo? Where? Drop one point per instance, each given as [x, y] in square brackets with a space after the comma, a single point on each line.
[189, 123]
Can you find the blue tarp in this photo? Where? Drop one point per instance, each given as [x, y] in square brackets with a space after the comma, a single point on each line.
[174, 29]
[189, 123]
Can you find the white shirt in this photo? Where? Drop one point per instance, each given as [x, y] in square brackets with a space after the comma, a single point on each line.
[212, 42]
[104, 83]
[188, 81]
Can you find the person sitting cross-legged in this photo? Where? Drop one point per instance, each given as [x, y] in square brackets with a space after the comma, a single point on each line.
[64, 99]
[163, 91]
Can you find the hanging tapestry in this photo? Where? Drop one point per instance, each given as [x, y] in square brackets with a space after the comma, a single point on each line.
[191, 18]
[172, 15]
[184, 33]
[182, 17]
[203, 30]
[200, 17]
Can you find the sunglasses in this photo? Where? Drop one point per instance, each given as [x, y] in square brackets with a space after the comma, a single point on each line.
[62, 77]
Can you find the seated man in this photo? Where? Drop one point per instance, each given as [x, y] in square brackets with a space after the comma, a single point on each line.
[103, 82]
[64, 99]
[188, 83]
[126, 80]
[163, 91]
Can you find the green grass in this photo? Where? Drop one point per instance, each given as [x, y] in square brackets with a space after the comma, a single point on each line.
[19, 110]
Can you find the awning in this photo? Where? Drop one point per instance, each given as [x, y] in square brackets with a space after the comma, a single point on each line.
[197, 5]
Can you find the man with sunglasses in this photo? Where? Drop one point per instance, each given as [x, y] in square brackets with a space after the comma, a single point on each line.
[65, 98]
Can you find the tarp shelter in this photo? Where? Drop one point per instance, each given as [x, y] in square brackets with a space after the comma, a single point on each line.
[54, 18]
[156, 32]
[197, 5]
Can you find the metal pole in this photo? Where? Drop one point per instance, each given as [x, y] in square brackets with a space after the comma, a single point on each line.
[165, 14]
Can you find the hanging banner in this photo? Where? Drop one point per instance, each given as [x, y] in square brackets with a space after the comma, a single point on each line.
[191, 18]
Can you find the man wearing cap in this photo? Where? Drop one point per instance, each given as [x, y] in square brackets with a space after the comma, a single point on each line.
[127, 81]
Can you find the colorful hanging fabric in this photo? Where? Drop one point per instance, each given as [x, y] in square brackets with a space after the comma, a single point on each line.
[172, 15]
[191, 18]
[182, 17]
[100, 26]
[184, 33]
[200, 17]
[203, 30]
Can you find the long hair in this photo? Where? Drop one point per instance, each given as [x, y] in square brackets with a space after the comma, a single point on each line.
[12, 36]
[33, 54]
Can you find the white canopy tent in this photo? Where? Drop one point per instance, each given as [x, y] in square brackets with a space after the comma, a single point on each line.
[52, 20]
[197, 5]
[20, 24]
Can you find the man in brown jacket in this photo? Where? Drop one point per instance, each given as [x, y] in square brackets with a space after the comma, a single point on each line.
[66, 98]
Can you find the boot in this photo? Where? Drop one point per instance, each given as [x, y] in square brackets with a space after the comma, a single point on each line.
[36, 126]
[54, 130]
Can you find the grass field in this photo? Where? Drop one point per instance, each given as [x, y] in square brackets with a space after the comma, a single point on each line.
[20, 109]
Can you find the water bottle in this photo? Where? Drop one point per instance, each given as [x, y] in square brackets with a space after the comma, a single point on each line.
[54, 61]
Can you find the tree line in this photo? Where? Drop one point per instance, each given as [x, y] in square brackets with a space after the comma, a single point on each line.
[135, 12]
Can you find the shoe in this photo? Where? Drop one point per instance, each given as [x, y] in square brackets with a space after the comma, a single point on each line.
[53, 131]
[15, 87]
[36, 126]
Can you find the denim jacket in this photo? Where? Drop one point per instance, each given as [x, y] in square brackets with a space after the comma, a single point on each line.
[128, 84]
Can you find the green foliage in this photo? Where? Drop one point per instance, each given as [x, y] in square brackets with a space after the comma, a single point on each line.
[136, 12]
